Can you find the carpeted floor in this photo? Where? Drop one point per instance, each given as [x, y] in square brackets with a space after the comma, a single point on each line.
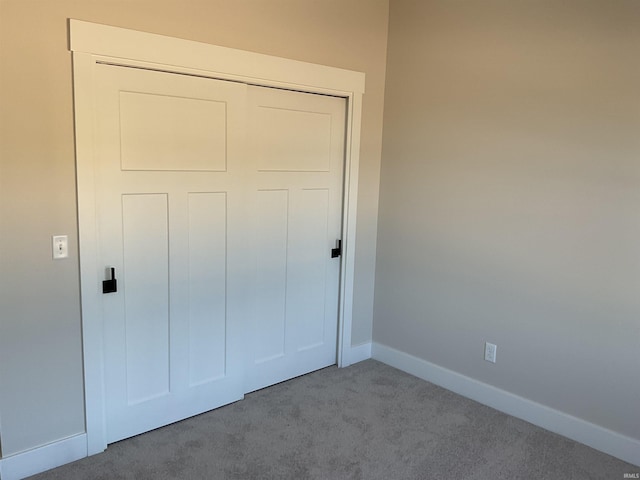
[368, 421]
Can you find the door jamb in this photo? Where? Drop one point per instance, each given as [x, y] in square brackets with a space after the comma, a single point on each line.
[91, 43]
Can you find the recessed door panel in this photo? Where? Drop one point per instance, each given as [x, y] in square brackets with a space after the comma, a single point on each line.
[154, 127]
[207, 286]
[146, 310]
[293, 139]
[308, 271]
[272, 211]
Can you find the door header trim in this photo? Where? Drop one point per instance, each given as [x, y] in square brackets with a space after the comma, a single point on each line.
[230, 63]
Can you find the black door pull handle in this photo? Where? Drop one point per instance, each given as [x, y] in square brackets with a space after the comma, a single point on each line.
[110, 285]
[336, 252]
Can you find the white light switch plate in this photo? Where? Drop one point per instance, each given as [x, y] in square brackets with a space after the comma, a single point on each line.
[60, 246]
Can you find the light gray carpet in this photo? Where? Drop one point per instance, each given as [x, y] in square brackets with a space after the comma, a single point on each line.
[368, 421]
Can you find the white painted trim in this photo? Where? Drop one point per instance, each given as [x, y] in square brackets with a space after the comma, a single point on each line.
[349, 213]
[360, 353]
[223, 62]
[43, 458]
[595, 436]
[92, 332]
[92, 43]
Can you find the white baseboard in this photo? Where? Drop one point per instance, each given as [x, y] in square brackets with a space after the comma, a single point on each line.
[21, 465]
[359, 353]
[607, 441]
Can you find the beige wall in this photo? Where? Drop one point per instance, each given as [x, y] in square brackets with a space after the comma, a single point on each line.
[510, 198]
[41, 390]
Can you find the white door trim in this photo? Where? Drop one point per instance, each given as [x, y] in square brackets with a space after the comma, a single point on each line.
[92, 43]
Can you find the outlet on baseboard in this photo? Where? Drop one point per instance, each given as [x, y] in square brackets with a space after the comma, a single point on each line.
[490, 352]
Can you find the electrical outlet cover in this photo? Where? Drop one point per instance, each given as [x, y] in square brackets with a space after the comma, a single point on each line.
[490, 352]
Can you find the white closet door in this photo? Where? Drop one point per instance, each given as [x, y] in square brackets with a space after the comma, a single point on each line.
[170, 181]
[218, 206]
[296, 151]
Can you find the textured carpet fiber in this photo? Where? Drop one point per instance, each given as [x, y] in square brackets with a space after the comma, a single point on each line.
[368, 421]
